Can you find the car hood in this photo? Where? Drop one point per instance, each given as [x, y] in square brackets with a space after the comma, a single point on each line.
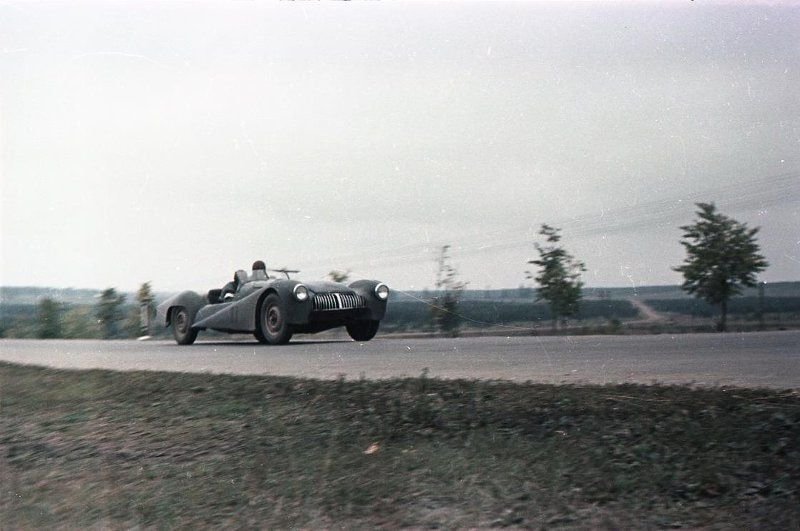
[325, 286]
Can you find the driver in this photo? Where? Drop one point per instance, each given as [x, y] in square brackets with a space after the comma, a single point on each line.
[259, 271]
[229, 289]
[240, 277]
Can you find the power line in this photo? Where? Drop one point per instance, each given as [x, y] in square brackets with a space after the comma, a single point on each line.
[759, 193]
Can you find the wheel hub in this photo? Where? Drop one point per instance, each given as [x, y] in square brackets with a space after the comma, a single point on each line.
[273, 319]
[181, 322]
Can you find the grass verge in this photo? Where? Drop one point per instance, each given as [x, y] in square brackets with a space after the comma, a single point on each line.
[110, 450]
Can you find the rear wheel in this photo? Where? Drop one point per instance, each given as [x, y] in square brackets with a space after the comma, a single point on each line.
[363, 330]
[182, 326]
[272, 325]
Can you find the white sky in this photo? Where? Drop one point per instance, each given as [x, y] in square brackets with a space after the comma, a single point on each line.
[175, 142]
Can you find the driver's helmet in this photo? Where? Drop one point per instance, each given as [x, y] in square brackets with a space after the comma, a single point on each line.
[259, 270]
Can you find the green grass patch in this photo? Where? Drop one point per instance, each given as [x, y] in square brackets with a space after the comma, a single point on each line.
[141, 449]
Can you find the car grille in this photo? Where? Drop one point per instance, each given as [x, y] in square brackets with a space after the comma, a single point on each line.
[338, 301]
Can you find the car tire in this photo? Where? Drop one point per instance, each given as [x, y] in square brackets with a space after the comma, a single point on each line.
[272, 324]
[259, 336]
[182, 326]
[363, 330]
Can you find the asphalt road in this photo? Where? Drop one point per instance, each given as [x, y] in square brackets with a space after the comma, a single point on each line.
[768, 359]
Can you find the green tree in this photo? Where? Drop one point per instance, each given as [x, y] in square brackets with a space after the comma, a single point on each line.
[558, 276]
[109, 312]
[722, 256]
[444, 308]
[49, 319]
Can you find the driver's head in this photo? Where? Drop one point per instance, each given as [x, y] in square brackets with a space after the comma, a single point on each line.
[258, 264]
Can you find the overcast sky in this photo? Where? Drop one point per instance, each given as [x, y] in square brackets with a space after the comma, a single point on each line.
[175, 142]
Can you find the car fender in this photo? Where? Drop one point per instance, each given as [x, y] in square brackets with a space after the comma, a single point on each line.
[190, 300]
[296, 312]
[366, 288]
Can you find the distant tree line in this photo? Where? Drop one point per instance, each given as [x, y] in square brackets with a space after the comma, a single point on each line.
[747, 307]
[416, 315]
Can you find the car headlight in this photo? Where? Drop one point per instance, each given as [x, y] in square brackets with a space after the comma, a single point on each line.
[382, 291]
[301, 293]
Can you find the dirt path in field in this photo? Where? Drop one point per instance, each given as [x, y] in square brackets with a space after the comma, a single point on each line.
[649, 314]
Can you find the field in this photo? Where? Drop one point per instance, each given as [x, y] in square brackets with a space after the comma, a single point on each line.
[108, 449]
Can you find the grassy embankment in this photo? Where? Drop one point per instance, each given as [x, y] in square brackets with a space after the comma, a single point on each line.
[110, 449]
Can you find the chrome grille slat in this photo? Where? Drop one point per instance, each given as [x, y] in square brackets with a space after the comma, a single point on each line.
[323, 302]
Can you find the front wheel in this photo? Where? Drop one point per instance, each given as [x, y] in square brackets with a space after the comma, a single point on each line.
[363, 330]
[272, 327]
[182, 326]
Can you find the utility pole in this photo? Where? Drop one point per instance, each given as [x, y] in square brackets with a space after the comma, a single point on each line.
[145, 298]
[144, 320]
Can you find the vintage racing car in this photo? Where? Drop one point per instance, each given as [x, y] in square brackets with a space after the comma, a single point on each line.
[273, 309]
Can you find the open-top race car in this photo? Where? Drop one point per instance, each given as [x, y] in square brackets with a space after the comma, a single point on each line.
[273, 309]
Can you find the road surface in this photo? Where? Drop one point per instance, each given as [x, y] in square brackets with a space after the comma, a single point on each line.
[756, 359]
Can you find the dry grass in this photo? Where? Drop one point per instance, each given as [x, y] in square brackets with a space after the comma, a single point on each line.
[118, 450]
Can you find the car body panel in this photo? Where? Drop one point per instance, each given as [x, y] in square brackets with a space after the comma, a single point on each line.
[188, 299]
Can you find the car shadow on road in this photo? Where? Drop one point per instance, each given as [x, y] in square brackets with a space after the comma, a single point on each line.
[250, 344]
